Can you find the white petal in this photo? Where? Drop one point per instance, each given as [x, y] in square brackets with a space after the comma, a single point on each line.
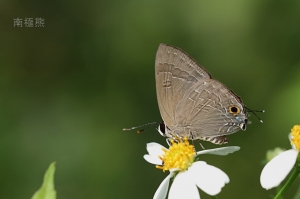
[208, 178]
[154, 150]
[278, 168]
[183, 187]
[290, 139]
[152, 160]
[290, 136]
[162, 190]
[220, 151]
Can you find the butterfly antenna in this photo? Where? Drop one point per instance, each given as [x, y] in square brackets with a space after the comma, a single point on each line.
[254, 112]
[140, 130]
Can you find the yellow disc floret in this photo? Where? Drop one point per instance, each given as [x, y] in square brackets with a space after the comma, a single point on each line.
[180, 155]
[296, 136]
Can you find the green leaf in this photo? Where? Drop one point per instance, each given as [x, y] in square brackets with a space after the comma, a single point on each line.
[47, 190]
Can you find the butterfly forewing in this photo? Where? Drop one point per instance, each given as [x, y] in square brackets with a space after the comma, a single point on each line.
[175, 73]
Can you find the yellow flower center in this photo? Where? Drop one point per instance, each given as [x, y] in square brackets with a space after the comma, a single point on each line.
[180, 155]
[296, 136]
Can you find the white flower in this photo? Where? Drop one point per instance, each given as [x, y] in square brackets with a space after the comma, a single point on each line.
[279, 167]
[179, 160]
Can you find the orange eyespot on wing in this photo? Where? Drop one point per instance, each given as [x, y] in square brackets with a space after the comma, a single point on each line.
[234, 110]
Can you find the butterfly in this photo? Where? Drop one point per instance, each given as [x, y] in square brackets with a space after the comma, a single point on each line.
[192, 104]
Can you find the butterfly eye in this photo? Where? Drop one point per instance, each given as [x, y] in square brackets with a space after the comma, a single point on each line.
[234, 110]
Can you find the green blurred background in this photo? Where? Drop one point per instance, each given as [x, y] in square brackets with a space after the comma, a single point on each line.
[68, 89]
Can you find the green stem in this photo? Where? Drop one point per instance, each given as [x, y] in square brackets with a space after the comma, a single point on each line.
[295, 172]
[215, 197]
[297, 196]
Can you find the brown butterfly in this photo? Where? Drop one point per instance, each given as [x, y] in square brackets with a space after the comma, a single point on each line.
[192, 103]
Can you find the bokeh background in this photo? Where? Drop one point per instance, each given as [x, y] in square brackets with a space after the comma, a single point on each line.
[68, 89]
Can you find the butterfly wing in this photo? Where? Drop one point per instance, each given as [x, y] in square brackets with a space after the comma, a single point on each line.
[205, 110]
[191, 102]
[175, 73]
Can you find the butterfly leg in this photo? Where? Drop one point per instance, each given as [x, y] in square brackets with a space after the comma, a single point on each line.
[174, 139]
[201, 144]
[168, 140]
[192, 137]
